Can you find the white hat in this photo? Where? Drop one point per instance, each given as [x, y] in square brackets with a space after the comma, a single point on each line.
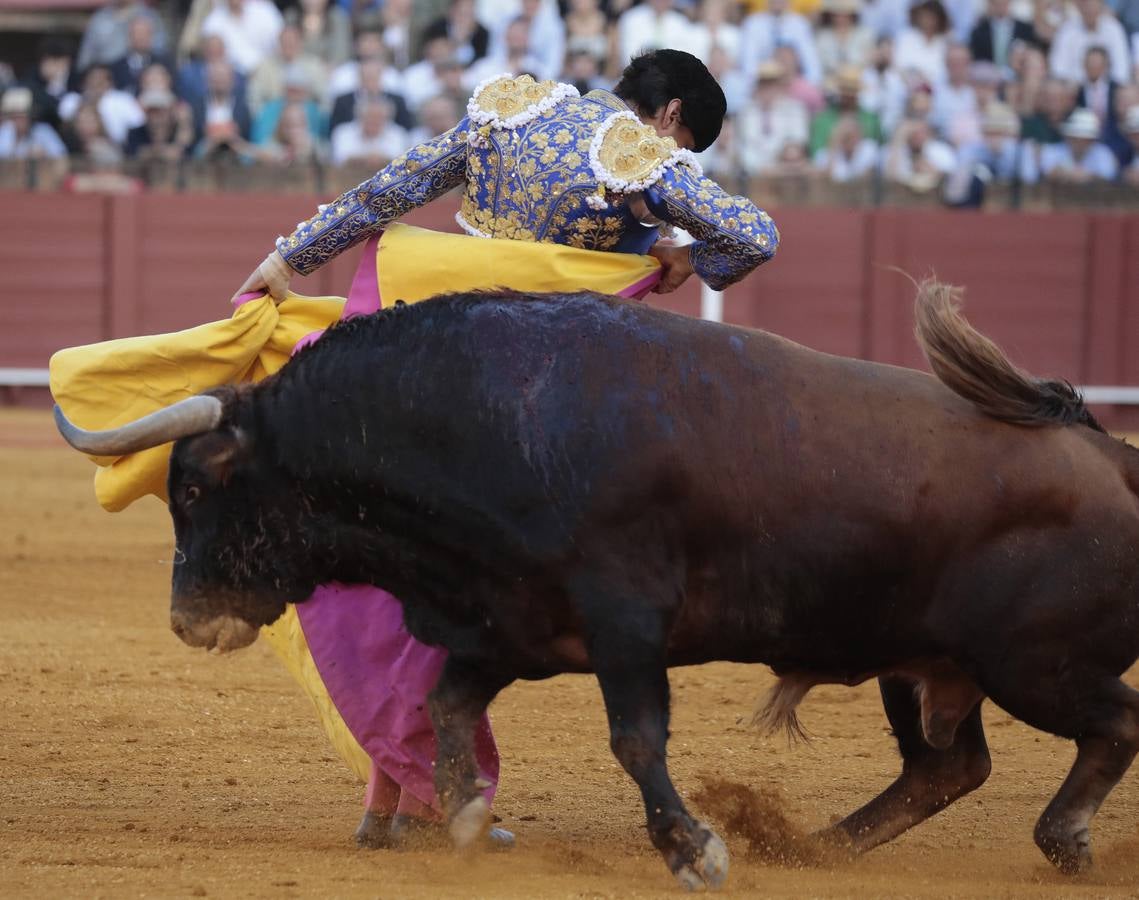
[770, 70]
[1082, 123]
[156, 98]
[16, 100]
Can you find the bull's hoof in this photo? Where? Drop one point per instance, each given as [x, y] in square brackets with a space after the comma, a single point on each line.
[1068, 851]
[709, 869]
[470, 823]
[374, 832]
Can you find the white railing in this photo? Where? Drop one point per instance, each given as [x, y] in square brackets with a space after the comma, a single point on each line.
[23, 378]
[1098, 394]
[1124, 396]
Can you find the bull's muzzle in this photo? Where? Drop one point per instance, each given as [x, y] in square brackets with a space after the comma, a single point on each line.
[221, 633]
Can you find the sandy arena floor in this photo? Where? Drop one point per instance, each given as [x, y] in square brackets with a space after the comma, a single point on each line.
[134, 766]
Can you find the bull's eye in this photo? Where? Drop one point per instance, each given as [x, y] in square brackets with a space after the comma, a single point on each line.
[193, 492]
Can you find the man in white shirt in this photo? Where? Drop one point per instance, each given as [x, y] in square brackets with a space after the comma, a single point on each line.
[369, 45]
[250, 30]
[954, 97]
[20, 138]
[1092, 26]
[763, 32]
[118, 110]
[884, 91]
[964, 124]
[850, 155]
[917, 159]
[654, 25]
[422, 80]
[372, 137]
[772, 130]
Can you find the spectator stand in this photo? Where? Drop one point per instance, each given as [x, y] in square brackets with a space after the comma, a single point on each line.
[861, 105]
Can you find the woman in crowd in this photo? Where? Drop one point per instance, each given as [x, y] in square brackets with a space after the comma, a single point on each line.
[841, 39]
[921, 47]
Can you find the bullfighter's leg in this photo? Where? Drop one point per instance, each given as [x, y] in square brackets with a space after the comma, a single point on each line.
[457, 703]
[634, 682]
[381, 797]
[931, 778]
[390, 813]
[1102, 714]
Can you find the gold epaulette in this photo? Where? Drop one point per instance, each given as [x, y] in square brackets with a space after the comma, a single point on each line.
[630, 150]
[627, 155]
[508, 102]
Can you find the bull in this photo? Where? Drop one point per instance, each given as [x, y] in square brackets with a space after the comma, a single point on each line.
[579, 484]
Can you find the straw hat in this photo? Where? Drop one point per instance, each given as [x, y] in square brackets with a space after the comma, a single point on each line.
[17, 101]
[156, 98]
[1000, 119]
[848, 80]
[770, 70]
[1082, 123]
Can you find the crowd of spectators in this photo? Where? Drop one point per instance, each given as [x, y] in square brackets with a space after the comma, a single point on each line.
[936, 95]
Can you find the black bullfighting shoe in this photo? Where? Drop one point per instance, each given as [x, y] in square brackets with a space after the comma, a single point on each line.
[374, 832]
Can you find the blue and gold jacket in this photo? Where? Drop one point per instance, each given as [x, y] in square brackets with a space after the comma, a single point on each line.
[541, 163]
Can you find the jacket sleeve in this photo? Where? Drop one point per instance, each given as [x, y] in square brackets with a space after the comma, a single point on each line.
[425, 172]
[732, 235]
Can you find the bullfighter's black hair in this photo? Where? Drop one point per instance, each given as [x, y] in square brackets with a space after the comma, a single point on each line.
[654, 78]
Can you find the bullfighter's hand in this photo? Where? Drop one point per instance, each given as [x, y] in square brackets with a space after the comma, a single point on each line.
[675, 264]
[271, 277]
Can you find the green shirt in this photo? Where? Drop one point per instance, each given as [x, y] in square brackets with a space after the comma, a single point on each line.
[824, 123]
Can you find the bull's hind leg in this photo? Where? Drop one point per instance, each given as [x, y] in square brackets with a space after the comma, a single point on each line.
[630, 666]
[1102, 714]
[457, 703]
[932, 777]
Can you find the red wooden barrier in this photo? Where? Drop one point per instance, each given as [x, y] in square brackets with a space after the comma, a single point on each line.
[1060, 291]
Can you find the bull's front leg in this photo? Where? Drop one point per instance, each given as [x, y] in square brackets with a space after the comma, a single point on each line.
[457, 703]
[634, 681]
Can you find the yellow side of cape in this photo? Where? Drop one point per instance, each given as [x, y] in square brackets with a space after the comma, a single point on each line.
[104, 385]
[413, 264]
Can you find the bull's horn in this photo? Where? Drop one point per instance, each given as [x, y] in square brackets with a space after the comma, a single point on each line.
[190, 416]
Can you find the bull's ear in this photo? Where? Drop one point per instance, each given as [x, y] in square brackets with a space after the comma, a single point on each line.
[217, 454]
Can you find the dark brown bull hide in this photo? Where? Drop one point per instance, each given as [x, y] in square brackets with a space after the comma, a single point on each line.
[575, 483]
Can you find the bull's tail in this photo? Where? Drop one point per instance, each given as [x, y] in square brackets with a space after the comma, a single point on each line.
[778, 712]
[972, 366]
